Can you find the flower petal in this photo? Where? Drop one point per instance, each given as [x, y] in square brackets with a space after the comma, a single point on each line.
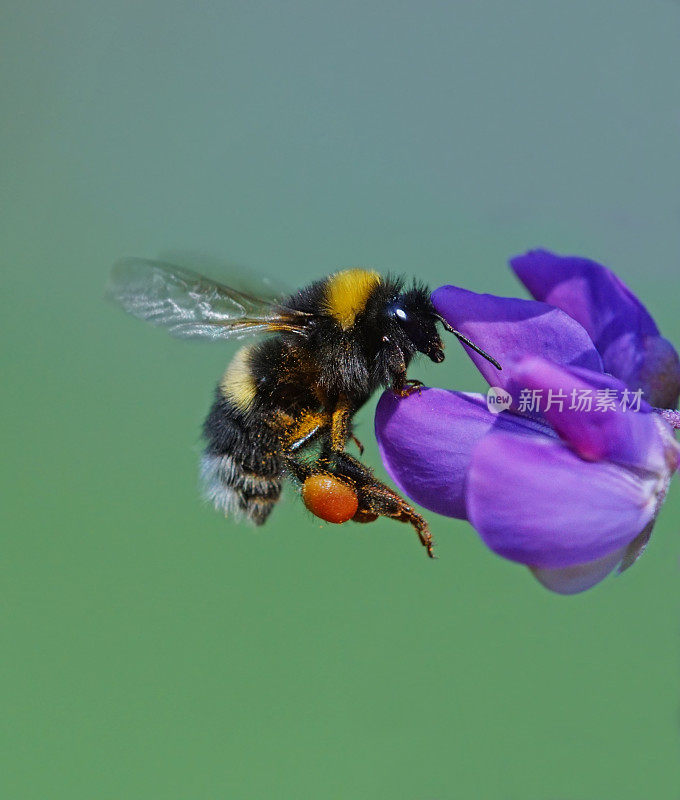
[622, 329]
[657, 373]
[572, 580]
[636, 548]
[534, 501]
[601, 428]
[426, 442]
[509, 329]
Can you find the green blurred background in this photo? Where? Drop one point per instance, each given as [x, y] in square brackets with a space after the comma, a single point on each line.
[152, 650]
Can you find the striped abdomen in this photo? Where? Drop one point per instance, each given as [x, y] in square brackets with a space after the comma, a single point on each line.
[241, 466]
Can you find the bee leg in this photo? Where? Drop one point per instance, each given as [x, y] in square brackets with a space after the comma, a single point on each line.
[341, 424]
[300, 431]
[403, 387]
[360, 446]
[299, 469]
[364, 516]
[296, 432]
[375, 499]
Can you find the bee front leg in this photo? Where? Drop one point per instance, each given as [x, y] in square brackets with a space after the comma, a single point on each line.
[403, 387]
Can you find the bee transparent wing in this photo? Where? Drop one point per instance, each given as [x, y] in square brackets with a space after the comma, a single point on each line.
[246, 280]
[191, 306]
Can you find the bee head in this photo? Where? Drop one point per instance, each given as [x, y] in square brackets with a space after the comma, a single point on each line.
[414, 315]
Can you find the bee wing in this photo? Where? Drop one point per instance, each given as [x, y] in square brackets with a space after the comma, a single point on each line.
[192, 306]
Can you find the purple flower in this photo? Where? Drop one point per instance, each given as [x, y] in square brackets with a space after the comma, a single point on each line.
[621, 328]
[570, 487]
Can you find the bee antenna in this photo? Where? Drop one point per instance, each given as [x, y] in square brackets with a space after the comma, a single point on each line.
[464, 339]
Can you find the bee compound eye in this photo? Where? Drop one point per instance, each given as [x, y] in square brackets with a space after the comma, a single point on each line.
[329, 498]
[397, 312]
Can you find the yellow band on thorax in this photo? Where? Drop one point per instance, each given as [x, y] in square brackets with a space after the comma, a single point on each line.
[347, 293]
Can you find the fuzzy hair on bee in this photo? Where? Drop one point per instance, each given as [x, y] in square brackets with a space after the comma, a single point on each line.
[285, 404]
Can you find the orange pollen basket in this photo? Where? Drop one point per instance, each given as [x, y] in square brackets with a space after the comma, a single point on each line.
[329, 499]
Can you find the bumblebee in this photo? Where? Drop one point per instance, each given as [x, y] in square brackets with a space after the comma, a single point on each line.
[285, 405]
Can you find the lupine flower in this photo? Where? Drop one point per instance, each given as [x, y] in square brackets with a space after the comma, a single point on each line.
[570, 489]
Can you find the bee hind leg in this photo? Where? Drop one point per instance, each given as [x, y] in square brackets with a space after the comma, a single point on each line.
[376, 499]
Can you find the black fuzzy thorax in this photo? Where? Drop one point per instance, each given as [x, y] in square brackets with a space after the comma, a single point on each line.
[357, 361]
